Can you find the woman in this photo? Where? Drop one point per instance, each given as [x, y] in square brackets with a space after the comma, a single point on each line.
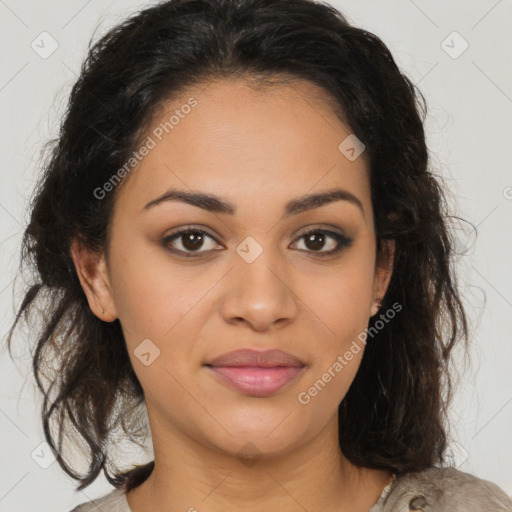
[237, 230]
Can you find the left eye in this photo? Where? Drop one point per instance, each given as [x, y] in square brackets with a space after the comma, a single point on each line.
[316, 237]
[192, 239]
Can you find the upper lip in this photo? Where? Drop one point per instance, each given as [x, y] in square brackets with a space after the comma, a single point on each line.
[250, 357]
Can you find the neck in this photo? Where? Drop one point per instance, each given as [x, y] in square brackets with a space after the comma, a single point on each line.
[189, 476]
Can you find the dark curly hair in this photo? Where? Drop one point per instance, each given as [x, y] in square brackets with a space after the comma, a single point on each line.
[394, 414]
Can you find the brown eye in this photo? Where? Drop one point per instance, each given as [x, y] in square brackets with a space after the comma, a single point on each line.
[192, 240]
[188, 240]
[317, 239]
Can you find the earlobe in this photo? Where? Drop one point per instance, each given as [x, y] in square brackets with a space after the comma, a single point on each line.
[93, 275]
[383, 273]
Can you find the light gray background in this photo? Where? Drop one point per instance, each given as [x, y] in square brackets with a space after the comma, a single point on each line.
[469, 134]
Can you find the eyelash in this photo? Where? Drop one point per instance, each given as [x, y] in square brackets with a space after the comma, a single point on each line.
[342, 240]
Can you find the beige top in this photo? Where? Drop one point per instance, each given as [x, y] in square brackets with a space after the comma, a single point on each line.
[433, 489]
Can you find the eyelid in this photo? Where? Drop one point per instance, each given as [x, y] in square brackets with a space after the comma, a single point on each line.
[175, 234]
[342, 240]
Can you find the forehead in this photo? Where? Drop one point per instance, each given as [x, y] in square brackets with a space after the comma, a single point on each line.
[232, 138]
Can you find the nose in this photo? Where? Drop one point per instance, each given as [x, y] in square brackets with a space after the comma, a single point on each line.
[260, 294]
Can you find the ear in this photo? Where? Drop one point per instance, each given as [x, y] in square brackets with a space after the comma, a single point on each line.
[92, 272]
[383, 272]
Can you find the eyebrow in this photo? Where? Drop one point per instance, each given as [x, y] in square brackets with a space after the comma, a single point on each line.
[213, 203]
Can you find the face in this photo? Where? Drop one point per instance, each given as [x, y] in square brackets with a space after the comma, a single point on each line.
[261, 268]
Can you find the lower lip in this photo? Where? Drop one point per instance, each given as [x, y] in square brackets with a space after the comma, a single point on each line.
[256, 381]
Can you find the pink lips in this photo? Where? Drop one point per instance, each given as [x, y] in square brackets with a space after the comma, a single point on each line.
[255, 372]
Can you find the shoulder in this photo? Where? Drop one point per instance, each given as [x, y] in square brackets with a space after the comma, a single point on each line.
[444, 489]
[114, 501]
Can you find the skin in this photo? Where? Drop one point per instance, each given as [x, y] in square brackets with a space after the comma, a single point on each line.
[256, 149]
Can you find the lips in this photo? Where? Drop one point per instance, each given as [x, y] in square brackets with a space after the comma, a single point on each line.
[256, 373]
[263, 359]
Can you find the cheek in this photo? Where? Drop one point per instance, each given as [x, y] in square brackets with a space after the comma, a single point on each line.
[150, 294]
[162, 302]
[341, 298]
[339, 304]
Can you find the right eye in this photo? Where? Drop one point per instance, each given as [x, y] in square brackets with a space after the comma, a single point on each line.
[190, 239]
